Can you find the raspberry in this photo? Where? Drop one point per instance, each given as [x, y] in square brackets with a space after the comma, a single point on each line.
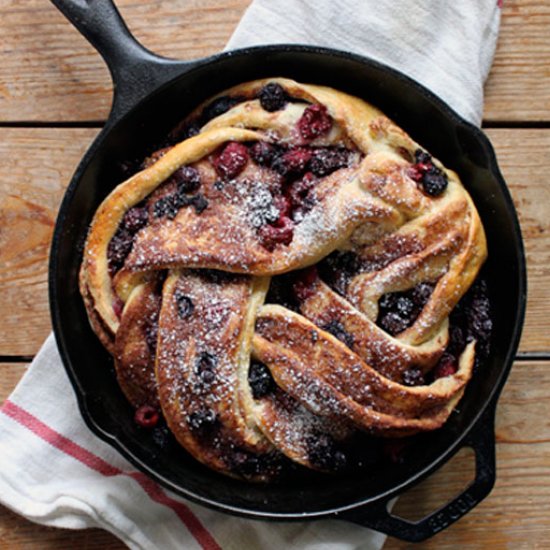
[314, 122]
[300, 189]
[118, 306]
[146, 416]
[232, 160]
[292, 162]
[282, 204]
[281, 232]
[446, 366]
[304, 286]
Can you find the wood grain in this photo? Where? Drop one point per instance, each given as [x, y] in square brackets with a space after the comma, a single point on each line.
[50, 73]
[518, 87]
[517, 512]
[515, 515]
[10, 374]
[36, 165]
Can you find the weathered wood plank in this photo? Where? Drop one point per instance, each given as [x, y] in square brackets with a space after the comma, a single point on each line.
[50, 73]
[36, 164]
[17, 533]
[35, 167]
[518, 87]
[10, 374]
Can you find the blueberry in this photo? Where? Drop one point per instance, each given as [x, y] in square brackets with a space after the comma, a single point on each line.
[206, 363]
[135, 219]
[434, 182]
[187, 179]
[422, 157]
[263, 153]
[392, 323]
[405, 307]
[185, 305]
[166, 206]
[260, 380]
[272, 97]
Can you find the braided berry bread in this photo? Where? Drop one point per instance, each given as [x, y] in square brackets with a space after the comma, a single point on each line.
[286, 279]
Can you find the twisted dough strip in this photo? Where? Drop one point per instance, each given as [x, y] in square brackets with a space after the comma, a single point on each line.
[210, 324]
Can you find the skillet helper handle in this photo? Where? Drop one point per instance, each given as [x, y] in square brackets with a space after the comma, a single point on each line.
[482, 440]
[135, 70]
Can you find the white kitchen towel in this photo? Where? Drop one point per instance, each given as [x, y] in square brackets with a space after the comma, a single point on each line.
[54, 471]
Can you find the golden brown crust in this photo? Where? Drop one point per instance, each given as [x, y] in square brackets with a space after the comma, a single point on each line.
[134, 350]
[202, 329]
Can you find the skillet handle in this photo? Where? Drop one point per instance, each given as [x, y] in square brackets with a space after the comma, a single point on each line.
[482, 440]
[135, 70]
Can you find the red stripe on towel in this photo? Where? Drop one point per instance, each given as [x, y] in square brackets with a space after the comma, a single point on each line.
[94, 462]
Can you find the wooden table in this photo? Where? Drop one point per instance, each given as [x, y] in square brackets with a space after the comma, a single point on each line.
[54, 94]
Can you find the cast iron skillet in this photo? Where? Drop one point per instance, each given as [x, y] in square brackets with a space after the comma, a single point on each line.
[151, 93]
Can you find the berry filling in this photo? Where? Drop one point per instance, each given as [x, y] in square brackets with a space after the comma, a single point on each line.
[146, 416]
[187, 179]
[397, 311]
[205, 369]
[281, 232]
[326, 160]
[323, 452]
[314, 122]
[272, 97]
[203, 422]
[121, 243]
[232, 160]
[263, 153]
[413, 377]
[304, 285]
[260, 380]
[336, 328]
[446, 366]
[292, 163]
[218, 107]
[430, 179]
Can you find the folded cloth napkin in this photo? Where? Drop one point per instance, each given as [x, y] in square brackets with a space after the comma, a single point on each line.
[54, 471]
